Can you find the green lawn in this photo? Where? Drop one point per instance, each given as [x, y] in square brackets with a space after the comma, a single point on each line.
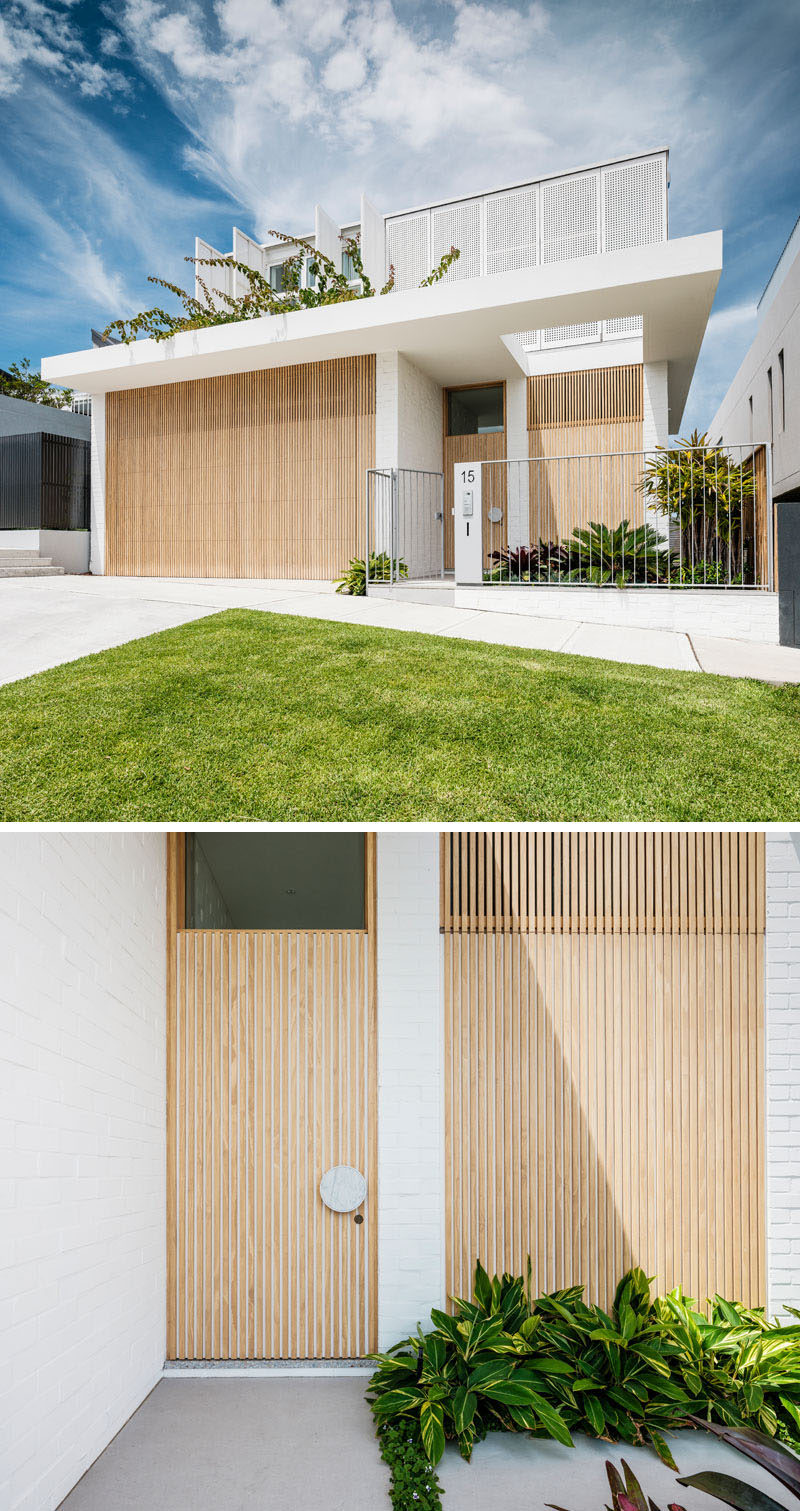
[257, 716]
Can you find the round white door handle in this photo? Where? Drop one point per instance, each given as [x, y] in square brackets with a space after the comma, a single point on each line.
[343, 1188]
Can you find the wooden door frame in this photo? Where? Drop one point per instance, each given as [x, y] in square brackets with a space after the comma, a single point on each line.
[175, 921]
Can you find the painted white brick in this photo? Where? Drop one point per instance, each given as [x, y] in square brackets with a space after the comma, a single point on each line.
[734, 614]
[82, 1149]
[410, 1070]
[782, 1062]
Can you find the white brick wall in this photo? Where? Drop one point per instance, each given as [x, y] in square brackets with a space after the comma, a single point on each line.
[97, 552]
[82, 1149]
[408, 415]
[410, 1055]
[733, 614]
[783, 1070]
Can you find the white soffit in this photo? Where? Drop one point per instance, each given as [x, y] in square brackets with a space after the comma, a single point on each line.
[454, 331]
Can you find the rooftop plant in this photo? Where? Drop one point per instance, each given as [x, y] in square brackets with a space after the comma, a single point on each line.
[328, 284]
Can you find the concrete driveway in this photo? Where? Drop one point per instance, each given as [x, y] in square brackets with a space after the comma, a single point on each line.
[277, 1443]
[46, 621]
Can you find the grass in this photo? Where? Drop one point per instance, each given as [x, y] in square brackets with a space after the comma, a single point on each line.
[246, 715]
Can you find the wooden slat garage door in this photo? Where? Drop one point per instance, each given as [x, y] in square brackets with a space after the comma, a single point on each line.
[258, 474]
[604, 1002]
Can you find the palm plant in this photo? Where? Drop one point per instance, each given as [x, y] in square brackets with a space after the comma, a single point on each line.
[710, 499]
[599, 553]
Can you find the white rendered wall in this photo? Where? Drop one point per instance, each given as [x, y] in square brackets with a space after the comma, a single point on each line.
[97, 550]
[82, 1150]
[783, 1071]
[410, 1085]
[655, 430]
[517, 449]
[731, 613]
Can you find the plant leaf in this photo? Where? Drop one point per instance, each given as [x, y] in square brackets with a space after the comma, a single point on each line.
[723, 1487]
[431, 1421]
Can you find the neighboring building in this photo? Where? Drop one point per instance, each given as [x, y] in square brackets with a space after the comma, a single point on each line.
[763, 401]
[581, 1047]
[241, 450]
[44, 487]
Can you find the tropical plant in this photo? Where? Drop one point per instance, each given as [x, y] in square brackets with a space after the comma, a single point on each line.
[413, 1479]
[327, 284]
[742, 1368]
[547, 562]
[764, 1451]
[709, 497]
[382, 568]
[600, 554]
[549, 1367]
[19, 382]
[627, 1493]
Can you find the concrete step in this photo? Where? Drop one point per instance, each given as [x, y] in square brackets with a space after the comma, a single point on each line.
[28, 564]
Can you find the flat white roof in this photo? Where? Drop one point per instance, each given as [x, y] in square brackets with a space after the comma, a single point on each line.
[457, 332]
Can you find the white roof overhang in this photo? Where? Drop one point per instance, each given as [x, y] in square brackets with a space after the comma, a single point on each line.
[453, 331]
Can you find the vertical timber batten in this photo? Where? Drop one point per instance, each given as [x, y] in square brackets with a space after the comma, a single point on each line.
[604, 1032]
[271, 1079]
[257, 474]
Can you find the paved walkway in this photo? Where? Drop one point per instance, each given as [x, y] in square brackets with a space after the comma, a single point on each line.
[47, 621]
[283, 1444]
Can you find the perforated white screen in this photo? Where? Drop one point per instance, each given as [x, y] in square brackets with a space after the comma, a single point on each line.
[511, 231]
[570, 225]
[458, 226]
[634, 196]
[408, 249]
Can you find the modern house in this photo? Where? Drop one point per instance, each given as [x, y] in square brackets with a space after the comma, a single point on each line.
[553, 357]
[763, 400]
[266, 1096]
[44, 488]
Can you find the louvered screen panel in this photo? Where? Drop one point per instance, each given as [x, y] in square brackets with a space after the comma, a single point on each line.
[628, 325]
[458, 226]
[570, 224]
[594, 395]
[634, 204]
[408, 249]
[602, 883]
[511, 231]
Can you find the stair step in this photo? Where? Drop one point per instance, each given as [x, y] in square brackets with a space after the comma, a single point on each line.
[38, 569]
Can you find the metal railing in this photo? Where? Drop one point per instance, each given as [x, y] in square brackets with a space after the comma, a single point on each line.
[405, 524]
[697, 516]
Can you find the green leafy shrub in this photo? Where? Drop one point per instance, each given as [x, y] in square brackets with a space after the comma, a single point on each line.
[599, 554]
[557, 1364]
[328, 285]
[414, 1482]
[736, 1365]
[709, 497]
[382, 568]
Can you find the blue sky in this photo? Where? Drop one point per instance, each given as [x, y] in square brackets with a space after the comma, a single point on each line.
[128, 127]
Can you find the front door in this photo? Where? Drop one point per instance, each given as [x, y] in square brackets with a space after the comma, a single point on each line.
[271, 1086]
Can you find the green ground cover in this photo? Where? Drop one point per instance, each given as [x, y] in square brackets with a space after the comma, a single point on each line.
[246, 715]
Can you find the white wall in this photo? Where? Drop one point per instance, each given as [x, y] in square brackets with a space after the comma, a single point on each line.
[778, 330]
[82, 1149]
[745, 614]
[97, 554]
[410, 1086]
[783, 1070]
[408, 415]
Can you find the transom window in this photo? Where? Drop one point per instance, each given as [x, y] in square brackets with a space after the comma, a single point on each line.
[275, 881]
[475, 411]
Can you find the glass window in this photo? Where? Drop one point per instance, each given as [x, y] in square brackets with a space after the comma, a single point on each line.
[475, 411]
[782, 372]
[349, 268]
[276, 277]
[275, 881]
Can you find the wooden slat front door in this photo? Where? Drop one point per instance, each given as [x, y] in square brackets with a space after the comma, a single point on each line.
[271, 1081]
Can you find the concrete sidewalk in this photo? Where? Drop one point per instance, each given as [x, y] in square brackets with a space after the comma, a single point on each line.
[46, 622]
[277, 1443]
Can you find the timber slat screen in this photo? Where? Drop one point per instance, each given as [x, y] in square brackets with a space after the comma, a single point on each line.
[271, 1080]
[604, 1027]
[257, 474]
[596, 413]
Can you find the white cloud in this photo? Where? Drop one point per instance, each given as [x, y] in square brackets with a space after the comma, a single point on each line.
[344, 70]
[42, 34]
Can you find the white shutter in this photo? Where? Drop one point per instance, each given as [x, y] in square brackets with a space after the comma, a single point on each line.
[408, 249]
[457, 226]
[511, 231]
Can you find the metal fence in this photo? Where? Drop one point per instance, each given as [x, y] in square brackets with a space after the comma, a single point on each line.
[44, 482]
[405, 524]
[697, 516]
